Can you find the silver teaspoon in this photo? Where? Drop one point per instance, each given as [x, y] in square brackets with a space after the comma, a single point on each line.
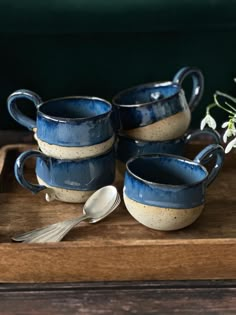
[96, 208]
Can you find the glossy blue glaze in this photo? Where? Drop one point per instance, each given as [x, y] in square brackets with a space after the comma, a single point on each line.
[148, 103]
[93, 123]
[69, 121]
[169, 104]
[83, 174]
[127, 147]
[170, 181]
[16, 113]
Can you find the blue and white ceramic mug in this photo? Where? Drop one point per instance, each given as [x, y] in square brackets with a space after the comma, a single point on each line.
[69, 127]
[67, 180]
[167, 192]
[127, 147]
[158, 111]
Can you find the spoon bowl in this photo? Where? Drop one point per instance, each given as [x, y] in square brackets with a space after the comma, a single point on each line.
[97, 207]
[103, 199]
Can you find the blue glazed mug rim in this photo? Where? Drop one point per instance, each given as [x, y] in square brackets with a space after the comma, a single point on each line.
[151, 85]
[66, 119]
[172, 156]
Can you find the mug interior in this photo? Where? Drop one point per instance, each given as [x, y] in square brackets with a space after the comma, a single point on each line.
[166, 170]
[75, 108]
[144, 94]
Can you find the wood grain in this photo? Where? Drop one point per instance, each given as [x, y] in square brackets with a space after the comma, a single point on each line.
[208, 297]
[118, 248]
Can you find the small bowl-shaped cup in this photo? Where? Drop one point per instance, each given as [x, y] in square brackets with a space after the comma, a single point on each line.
[67, 180]
[167, 192]
[127, 147]
[71, 127]
[158, 111]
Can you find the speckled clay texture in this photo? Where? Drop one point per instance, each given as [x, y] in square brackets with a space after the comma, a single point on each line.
[72, 153]
[163, 219]
[66, 195]
[166, 129]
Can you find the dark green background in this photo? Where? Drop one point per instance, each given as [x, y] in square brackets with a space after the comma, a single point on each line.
[97, 48]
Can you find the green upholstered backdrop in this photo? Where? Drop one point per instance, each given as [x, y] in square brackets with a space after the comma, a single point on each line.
[97, 48]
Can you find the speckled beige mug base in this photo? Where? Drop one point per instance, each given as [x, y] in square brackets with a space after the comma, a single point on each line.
[163, 219]
[72, 153]
[166, 129]
[65, 195]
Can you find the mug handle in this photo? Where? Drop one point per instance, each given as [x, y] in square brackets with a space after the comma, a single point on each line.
[19, 170]
[188, 137]
[212, 151]
[16, 113]
[198, 84]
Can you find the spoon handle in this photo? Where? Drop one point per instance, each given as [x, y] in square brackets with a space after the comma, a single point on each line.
[50, 233]
[55, 232]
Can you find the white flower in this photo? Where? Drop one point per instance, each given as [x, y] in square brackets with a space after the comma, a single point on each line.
[208, 120]
[227, 135]
[230, 145]
[230, 131]
[225, 124]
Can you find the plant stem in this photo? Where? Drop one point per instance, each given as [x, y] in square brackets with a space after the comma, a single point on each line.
[210, 107]
[226, 103]
[219, 105]
[228, 97]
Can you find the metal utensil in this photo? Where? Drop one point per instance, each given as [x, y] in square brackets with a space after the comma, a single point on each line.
[96, 208]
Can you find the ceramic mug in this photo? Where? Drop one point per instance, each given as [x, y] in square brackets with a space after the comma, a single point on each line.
[127, 147]
[158, 111]
[167, 192]
[69, 127]
[67, 180]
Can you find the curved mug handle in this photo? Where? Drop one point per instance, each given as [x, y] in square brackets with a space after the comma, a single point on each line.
[19, 170]
[198, 84]
[212, 151]
[214, 135]
[16, 113]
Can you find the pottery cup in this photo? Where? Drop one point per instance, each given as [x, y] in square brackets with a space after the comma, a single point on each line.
[67, 180]
[127, 147]
[69, 127]
[158, 111]
[167, 192]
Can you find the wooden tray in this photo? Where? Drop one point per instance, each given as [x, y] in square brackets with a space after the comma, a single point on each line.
[118, 248]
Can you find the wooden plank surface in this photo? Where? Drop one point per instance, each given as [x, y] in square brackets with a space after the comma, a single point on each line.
[196, 297]
[117, 248]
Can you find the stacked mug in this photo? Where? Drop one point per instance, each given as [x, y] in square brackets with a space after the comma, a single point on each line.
[76, 156]
[75, 137]
[154, 117]
[162, 189]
